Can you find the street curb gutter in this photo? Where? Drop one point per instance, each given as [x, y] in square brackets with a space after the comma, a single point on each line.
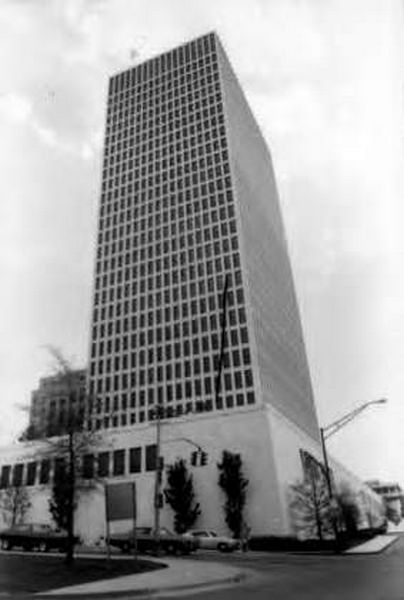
[148, 591]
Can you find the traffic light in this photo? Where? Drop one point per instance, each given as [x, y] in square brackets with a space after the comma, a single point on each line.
[194, 459]
[204, 459]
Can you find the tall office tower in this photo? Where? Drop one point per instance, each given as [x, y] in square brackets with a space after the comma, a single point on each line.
[194, 303]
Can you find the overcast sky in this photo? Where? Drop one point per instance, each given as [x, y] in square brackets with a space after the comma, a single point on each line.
[325, 81]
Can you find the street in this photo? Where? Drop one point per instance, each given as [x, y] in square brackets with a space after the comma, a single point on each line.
[278, 576]
[314, 577]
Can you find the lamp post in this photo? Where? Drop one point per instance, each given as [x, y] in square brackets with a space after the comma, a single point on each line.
[329, 430]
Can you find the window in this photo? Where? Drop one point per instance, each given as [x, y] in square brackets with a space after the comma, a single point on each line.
[135, 460]
[151, 457]
[44, 472]
[5, 476]
[88, 466]
[119, 462]
[31, 473]
[103, 464]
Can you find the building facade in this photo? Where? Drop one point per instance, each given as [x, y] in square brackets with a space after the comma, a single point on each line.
[57, 399]
[194, 304]
[393, 497]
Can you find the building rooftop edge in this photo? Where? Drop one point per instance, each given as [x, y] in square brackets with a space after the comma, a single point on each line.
[154, 56]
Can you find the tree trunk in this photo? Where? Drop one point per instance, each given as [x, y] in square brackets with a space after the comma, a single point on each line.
[70, 514]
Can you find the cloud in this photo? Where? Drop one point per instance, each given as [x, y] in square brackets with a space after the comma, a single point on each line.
[15, 107]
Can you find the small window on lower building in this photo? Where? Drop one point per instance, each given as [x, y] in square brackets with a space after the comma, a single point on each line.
[17, 474]
[88, 466]
[44, 472]
[135, 460]
[31, 473]
[151, 457]
[119, 462]
[103, 464]
[5, 476]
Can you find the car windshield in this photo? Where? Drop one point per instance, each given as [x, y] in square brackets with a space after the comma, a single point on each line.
[213, 533]
[165, 531]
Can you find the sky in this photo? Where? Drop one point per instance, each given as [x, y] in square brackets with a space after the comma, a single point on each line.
[325, 82]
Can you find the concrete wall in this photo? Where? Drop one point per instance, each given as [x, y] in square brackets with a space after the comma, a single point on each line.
[246, 431]
[274, 313]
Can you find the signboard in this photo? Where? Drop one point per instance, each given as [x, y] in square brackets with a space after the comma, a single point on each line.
[120, 501]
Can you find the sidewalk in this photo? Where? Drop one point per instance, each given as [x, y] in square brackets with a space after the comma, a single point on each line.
[181, 574]
[373, 546]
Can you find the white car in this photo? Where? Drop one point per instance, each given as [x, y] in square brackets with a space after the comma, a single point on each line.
[210, 540]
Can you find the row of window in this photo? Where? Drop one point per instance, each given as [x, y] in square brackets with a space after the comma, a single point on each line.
[156, 174]
[181, 136]
[184, 203]
[167, 78]
[144, 260]
[156, 273]
[185, 112]
[194, 116]
[103, 464]
[176, 410]
[171, 313]
[198, 49]
[122, 152]
[145, 302]
[190, 379]
[179, 104]
[165, 347]
[124, 141]
[146, 163]
[138, 397]
[174, 231]
[145, 104]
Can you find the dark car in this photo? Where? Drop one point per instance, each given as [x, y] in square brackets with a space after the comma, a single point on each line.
[170, 542]
[33, 535]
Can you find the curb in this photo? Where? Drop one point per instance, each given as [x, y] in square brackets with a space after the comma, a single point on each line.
[148, 591]
[378, 551]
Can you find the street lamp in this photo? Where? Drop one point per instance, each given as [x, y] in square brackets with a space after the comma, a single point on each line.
[329, 430]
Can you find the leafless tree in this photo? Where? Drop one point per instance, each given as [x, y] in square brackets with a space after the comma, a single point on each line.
[14, 504]
[69, 451]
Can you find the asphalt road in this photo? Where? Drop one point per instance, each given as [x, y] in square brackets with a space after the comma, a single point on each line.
[315, 577]
[270, 576]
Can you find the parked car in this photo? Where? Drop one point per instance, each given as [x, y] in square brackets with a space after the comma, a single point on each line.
[170, 542]
[210, 540]
[34, 535]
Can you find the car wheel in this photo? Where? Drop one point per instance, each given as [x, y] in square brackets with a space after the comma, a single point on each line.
[43, 547]
[222, 547]
[6, 545]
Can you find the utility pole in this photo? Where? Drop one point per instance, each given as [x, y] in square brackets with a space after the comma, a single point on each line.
[329, 430]
[157, 483]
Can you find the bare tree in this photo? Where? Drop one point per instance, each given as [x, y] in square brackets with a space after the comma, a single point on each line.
[310, 509]
[69, 452]
[14, 504]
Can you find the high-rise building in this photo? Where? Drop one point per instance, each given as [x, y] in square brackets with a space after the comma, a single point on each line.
[194, 303]
[194, 309]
